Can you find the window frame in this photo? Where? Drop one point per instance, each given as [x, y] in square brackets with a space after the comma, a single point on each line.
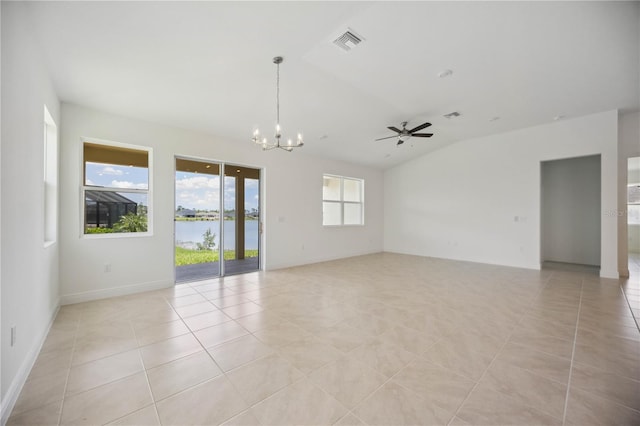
[50, 180]
[84, 188]
[342, 201]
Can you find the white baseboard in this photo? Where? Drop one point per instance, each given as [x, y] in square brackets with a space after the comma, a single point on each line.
[87, 296]
[13, 392]
[606, 273]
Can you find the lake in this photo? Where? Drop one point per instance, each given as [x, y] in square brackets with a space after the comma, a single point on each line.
[188, 233]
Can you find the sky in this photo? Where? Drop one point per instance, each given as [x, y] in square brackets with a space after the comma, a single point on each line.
[193, 190]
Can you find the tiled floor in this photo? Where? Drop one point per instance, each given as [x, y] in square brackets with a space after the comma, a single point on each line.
[383, 339]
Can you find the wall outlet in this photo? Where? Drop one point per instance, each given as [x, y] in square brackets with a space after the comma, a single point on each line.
[13, 335]
[107, 267]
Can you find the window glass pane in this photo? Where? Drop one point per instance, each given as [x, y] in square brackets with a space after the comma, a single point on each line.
[116, 176]
[633, 214]
[352, 190]
[111, 211]
[331, 188]
[331, 213]
[352, 214]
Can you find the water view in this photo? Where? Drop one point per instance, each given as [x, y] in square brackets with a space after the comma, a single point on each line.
[189, 233]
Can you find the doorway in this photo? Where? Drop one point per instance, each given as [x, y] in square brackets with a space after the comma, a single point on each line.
[633, 215]
[570, 212]
[217, 220]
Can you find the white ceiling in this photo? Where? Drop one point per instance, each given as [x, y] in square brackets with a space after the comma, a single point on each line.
[207, 66]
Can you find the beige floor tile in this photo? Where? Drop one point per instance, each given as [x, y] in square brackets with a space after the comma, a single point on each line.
[96, 373]
[526, 388]
[342, 336]
[435, 384]
[169, 350]
[584, 408]
[51, 362]
[542, 342]
[92, 348]
[457, 421]
[107, 402]
[263, 377]
[242, 310]
[309, 354]
[463, 361]
[42, 390]
[206, 320]
[146, 319]
[301, 403]
[349, 420]
[393, 404]
[245, 418]
[176, 376]
[60, 340]
[158, 332]
[540, 363]
[44, 415]
[369, 324]
[281, 335]
[221, 333]
[239, 352]
[408, 339]
[146, 416]
[195, 309]
[212, 402]
[227, 301]
[624, 363]
[383, 357]
[607, 385]
[488, 407]
[190, 299]
[607, 341]
[348, 380]
[260, 320]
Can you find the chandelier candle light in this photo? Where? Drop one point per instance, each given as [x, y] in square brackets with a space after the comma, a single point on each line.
[262, 141]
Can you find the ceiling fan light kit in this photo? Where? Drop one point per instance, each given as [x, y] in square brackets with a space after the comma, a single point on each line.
[404, 134]
[263, 141]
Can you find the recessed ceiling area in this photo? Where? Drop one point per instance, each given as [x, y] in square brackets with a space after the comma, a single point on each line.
[207, 66]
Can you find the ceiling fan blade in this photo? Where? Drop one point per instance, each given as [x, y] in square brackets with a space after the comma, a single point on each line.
[420, 127]
[422, 135]
[388, 137]
[395, 129]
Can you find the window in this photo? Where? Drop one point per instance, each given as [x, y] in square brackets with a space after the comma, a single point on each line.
[115, 188]
[342, 201]
[50, 179]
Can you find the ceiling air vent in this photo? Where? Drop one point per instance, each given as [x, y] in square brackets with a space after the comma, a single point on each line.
[348, 40]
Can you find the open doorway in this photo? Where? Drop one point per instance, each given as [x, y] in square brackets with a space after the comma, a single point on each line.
[633, 215]
[217, 220]
[570, 214]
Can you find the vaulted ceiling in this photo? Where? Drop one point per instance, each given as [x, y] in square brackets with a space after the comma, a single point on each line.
[208, 66]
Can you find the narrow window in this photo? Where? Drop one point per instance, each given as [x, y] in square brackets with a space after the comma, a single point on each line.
[50, 179]
[115, 188]
[342, 201]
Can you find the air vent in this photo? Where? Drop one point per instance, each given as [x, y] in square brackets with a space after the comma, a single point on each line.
[451, 115]
[348, 40]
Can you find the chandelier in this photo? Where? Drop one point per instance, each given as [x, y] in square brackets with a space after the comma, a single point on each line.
[277, 143]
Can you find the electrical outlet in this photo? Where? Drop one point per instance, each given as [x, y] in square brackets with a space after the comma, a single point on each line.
[107, 267]
[13, 335]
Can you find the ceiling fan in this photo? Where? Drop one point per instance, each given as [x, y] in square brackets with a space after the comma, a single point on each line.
[405, 134]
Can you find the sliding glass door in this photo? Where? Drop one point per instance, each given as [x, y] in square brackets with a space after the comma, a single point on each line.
[217, 221]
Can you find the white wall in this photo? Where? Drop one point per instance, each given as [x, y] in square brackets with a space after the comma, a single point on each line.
[29, 273]
[293, 194]
[570, 221]
[479, 199]
[629, 146]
